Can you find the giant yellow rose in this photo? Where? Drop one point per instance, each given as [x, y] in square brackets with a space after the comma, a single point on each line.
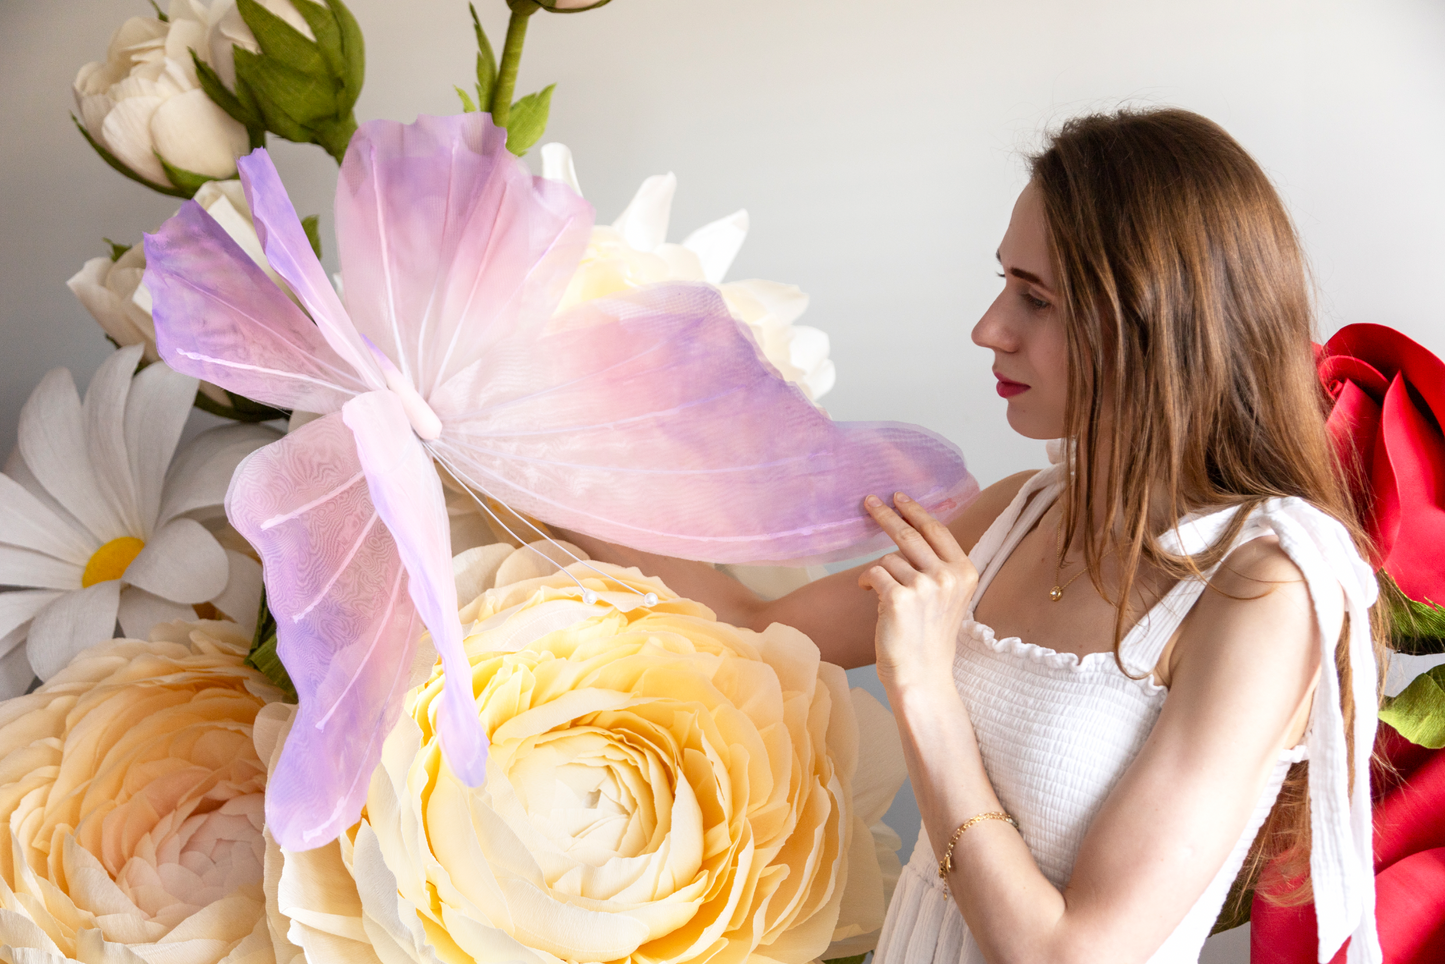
[130, 794]
[661, 787]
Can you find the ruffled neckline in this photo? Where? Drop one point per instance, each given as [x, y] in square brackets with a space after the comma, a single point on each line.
[1069, 662]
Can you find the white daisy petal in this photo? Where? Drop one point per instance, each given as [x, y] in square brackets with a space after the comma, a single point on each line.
[643, 224]
[20, 606]
[155, 413]
[73, 622]
[241, 599]
[27, 522]
[16, 468]
[105, 404]
[140, 611]
[717, 244]
[15, 672]
[182, 562]
[36, 570]
[557, 165]
[52, 443]
[202, 471]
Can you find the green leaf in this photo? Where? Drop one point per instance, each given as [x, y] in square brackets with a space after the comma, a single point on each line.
[1419, 712]
[1417, 628]
[529, 120]
[116, 250]
[229, 102]
[182, 178]
[241, 409]
[311, 224]
[282, 42]
[486, 61]
[119, 165]
[353, 49]
[467, 106]
[265, 659]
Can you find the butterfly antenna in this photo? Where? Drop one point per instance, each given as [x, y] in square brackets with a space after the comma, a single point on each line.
[588, 596]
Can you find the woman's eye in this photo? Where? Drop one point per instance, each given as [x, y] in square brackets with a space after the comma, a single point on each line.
[1038, 304]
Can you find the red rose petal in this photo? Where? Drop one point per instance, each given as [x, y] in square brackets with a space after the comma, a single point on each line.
[1337, 370]
[1410, 503]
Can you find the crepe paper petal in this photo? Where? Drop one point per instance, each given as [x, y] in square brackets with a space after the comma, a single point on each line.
[73, 622]
[220, 319]
[22, 567]
[201, 472]
[15, 678]
[194, 134]
[717, 244]
[448, 244]
[241, 599]
[53, 444]
[140, 612]
[475, 570]
[345, 624]
[407, 494]
[1410, 506]
[1356, 416]
[653, 420]
[19, 606]
[28, 523]
[18, 471]
[557, 165]
[290, 255]
[155, 415]
[104, 413]
[643, 223]
[181, 562]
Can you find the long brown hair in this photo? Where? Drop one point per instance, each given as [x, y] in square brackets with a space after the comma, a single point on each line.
[1189, 320]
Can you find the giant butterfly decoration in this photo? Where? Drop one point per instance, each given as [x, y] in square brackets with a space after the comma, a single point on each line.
[650, 419]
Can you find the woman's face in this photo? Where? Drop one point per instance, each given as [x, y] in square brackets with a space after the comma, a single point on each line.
[1025, 328]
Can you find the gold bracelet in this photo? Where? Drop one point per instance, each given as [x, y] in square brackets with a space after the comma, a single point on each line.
[945, 866]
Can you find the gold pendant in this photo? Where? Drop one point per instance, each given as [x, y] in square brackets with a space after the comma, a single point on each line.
[1056, 593]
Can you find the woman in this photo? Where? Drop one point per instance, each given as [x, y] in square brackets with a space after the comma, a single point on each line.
[1095, 740]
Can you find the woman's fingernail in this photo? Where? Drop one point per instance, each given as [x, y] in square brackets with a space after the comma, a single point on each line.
[900, 497]
[873, 500]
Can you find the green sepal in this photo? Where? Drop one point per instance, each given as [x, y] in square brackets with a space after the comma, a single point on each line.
[243, 112]
[486, 61]
[599, 3]
[116, 250]
[262, 656]
[282, 42]
[353, 49]
[291, 101]
[467, 106]
[529, 120]
[1417, 628]
[311, 224]
[160, 14]
[182, 178]
[1418, 714]
[241, 409]
[855, 959]
[120, 165]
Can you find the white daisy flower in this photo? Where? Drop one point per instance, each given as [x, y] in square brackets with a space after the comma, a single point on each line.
[99, 523]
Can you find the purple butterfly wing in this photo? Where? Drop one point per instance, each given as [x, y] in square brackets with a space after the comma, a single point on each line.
[652, 419]
[447, 242]
[407, 493]
[220, 318]
[346, 624]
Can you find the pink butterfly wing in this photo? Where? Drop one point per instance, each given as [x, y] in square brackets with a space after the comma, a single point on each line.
[447, 243]
[219, 317]
[346, 623]
[652, 419]
[407, 493]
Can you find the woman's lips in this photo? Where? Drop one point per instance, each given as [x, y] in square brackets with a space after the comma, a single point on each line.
[1007, 388]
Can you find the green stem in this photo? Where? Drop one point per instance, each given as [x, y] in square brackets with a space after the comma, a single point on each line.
[501, 106]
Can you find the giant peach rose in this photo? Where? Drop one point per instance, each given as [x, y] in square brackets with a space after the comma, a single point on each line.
[130, 794]
[661, 787]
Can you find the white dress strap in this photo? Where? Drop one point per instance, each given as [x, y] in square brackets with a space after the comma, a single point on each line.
[998, 540]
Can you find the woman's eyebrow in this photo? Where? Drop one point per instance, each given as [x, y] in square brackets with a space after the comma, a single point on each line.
[1028, 276]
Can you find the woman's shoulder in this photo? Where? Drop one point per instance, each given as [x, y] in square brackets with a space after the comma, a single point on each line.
[973, 521]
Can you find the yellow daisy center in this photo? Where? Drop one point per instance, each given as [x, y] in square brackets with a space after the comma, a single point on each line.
[111, 560]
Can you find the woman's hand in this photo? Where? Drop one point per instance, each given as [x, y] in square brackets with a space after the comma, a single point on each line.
[923, 593]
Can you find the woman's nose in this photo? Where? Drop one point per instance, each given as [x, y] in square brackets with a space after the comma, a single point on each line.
[993, 330]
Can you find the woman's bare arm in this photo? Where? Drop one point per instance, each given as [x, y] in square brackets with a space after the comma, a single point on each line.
[833, 611]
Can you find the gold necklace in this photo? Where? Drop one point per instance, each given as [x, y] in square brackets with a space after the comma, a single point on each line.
[1057, 592]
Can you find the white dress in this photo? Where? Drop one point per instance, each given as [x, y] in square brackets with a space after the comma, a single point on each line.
[1057, 731]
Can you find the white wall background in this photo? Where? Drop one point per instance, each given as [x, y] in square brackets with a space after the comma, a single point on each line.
[876, 145]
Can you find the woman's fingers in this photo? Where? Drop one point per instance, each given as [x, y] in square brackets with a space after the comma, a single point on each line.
[899, 568]
[935, 533]
[909, 540]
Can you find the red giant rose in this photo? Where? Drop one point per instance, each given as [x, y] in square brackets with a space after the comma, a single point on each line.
[1389, 405]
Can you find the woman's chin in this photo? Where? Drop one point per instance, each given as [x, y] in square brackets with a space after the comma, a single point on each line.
[1031, 426]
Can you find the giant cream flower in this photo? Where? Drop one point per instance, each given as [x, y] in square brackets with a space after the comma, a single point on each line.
[131, 806]
[112, 290]
[634, 251]
[144, 103]
[661, 787]
[99, 523]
